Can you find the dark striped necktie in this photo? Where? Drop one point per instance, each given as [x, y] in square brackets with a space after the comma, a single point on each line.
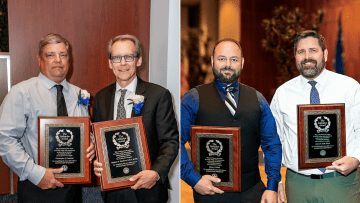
[230, 100]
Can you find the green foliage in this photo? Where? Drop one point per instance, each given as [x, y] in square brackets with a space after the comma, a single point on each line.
[281, 30]
[4, 31]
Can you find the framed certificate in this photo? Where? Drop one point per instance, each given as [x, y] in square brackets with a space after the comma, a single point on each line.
[62, 142]
[321, 134]
[122, 149]
[216, 151]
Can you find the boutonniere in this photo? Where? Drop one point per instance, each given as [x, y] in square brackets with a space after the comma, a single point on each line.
[84, 97]
[138, 102]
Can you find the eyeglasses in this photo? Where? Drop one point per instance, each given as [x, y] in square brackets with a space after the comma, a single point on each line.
[128, 58]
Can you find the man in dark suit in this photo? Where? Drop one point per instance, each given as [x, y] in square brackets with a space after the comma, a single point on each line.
[161, 129]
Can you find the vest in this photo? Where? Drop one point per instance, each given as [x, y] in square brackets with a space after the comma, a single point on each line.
[213, 112]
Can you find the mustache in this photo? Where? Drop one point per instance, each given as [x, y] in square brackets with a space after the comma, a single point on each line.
[227, 68]
[308, 60]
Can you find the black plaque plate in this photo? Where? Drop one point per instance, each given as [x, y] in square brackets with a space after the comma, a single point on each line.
[123, 161]
[215, 155]
[64, 148]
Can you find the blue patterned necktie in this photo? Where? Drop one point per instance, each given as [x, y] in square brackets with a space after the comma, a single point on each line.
[314, 99]
[121, 113]
[314, 94]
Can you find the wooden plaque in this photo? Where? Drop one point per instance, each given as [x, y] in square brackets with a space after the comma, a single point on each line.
[321, 134]
[216, 151]
[122, 149]
[62, 142]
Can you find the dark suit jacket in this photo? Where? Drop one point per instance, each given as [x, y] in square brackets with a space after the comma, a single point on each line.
[159, 119]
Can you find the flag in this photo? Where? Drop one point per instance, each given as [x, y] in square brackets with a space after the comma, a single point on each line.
[339, 58]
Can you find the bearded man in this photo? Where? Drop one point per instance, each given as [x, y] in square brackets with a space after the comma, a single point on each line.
[226, 102]
[316, 85]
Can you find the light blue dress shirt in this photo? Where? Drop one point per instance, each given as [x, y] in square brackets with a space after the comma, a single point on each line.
[19, 114]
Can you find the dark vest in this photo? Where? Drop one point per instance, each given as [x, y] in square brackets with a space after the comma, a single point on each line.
[213, 112]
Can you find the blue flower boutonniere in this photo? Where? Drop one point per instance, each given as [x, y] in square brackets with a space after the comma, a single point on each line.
[138, 102]
[84, 97]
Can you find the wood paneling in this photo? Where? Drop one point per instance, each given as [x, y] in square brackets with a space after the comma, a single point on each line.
[260, 68]
[4, 178]
[87, 24]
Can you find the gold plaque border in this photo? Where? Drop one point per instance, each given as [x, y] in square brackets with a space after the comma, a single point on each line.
[106, 156]
[231, 164]
[82, 156]
[306, 135]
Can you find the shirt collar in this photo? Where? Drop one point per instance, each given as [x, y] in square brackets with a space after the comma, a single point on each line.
[221, 86]
[130, 87]
[320, 80]
[49, 83]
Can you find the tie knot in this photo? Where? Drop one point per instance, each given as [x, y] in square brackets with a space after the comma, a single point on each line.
[123, 92]
[312, 83]
[229, 89]
[59, 88]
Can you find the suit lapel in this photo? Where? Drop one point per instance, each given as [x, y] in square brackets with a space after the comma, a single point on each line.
[140, 90]
[111, 97]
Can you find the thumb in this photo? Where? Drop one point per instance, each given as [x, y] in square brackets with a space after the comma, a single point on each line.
[216, 180]
[282, 196]
[58, 170]
[135, 177]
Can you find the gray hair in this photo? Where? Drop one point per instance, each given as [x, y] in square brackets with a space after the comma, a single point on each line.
[123, 38]
[52, 39]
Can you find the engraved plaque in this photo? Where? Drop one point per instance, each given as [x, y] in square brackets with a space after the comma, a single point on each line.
[321, 134]
[121, 147]
[62, 143]
[216, 151]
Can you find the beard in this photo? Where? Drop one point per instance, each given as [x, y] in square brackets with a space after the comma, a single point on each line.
[309, 71]
[226, 79]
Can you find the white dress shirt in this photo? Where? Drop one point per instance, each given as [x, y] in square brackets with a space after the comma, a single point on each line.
[332, 88]
[130, 90]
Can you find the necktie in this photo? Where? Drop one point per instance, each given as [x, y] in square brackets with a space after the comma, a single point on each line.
[230, 100]
[60, 100]
[314, 94]
[121, 113]
[314, 99]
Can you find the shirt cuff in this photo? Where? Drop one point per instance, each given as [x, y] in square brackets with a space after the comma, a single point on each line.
[356, 154]
[193, 178]
[272, 185]
[36, 174]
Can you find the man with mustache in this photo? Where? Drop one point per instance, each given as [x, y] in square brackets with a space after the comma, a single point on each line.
[49, 94]
[338, 182]
[226, 102]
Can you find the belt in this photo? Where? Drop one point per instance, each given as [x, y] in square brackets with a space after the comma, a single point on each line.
[326, 175]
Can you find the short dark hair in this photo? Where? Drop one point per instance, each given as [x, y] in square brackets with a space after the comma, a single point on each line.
[52, 39]
[309, 33]
[228, 40]
[124, 38]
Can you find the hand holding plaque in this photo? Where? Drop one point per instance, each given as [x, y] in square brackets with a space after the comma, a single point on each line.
[122, 150]
[216, 151]
[62, 143]
[321, 134]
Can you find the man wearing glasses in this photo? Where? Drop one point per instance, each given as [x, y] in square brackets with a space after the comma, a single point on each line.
[162, 134]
